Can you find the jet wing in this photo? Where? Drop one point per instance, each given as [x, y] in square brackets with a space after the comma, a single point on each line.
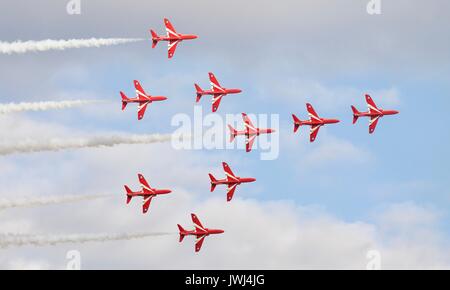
[215, 86]
[140, 93]
[230, 175]
[312, 113]
[172, 47]
[199, 242]
[216, 102]
[373, 123]
[171, 32]
[198, 225]
[371, 105]
[313, 133]
[144, 184]
[231, 190]
[146, 205]
[141, 109]
[249, 143]
[248, 124]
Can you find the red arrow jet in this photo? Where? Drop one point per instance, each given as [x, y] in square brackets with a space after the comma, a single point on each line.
[232, 181]
[216, 91]
[200, 232]
[250, 132]
[147, 193]
[141, 98]
[374, 113]
[172, 37]
[315, 122]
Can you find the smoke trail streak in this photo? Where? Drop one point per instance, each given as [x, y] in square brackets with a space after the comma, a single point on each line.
[20, 47]
[55, 144]
[49, 200]
[21, 240]
[43, 106]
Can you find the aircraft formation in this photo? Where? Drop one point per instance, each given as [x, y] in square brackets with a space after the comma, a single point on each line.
[250, 133]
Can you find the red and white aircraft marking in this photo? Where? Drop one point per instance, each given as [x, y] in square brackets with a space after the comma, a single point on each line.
[217, 91]
[200, 232]
[250, 132]
[231, 180]
[373, 112]
[315, 122]
[147, 193]
[142, 99]
[173, 38]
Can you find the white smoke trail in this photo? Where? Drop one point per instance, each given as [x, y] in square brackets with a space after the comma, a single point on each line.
[43, 106]
[49, 200]
[55, 144]
[20, 47]
[20, 240]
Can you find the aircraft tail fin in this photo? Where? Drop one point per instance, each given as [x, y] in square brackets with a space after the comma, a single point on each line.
[355, 114]
[297, 122]
[182, 232]
[213, 182]
[199, 92]
[124, 100]
[155, 38]
[233, 133]
[129, 197]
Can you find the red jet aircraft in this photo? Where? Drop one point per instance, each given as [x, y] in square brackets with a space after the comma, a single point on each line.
[172, 37]
[141, 98]
[315, 122]
[250, 132]
[216, 91]
[232, 181]
[147, 193]
[200, 232]
[374, 113]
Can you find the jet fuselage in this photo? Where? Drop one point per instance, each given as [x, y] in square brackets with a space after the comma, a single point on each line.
[240, 181]
[224, 92]
[153, 192]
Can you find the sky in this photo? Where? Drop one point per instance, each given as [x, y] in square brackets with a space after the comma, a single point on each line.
[321, 205]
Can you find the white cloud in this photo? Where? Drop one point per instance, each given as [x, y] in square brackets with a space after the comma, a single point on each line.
[258, 234]
[262, 235]
[333, 150]
[406, 216]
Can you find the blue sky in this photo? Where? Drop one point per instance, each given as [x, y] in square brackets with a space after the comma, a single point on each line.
[326, 54]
